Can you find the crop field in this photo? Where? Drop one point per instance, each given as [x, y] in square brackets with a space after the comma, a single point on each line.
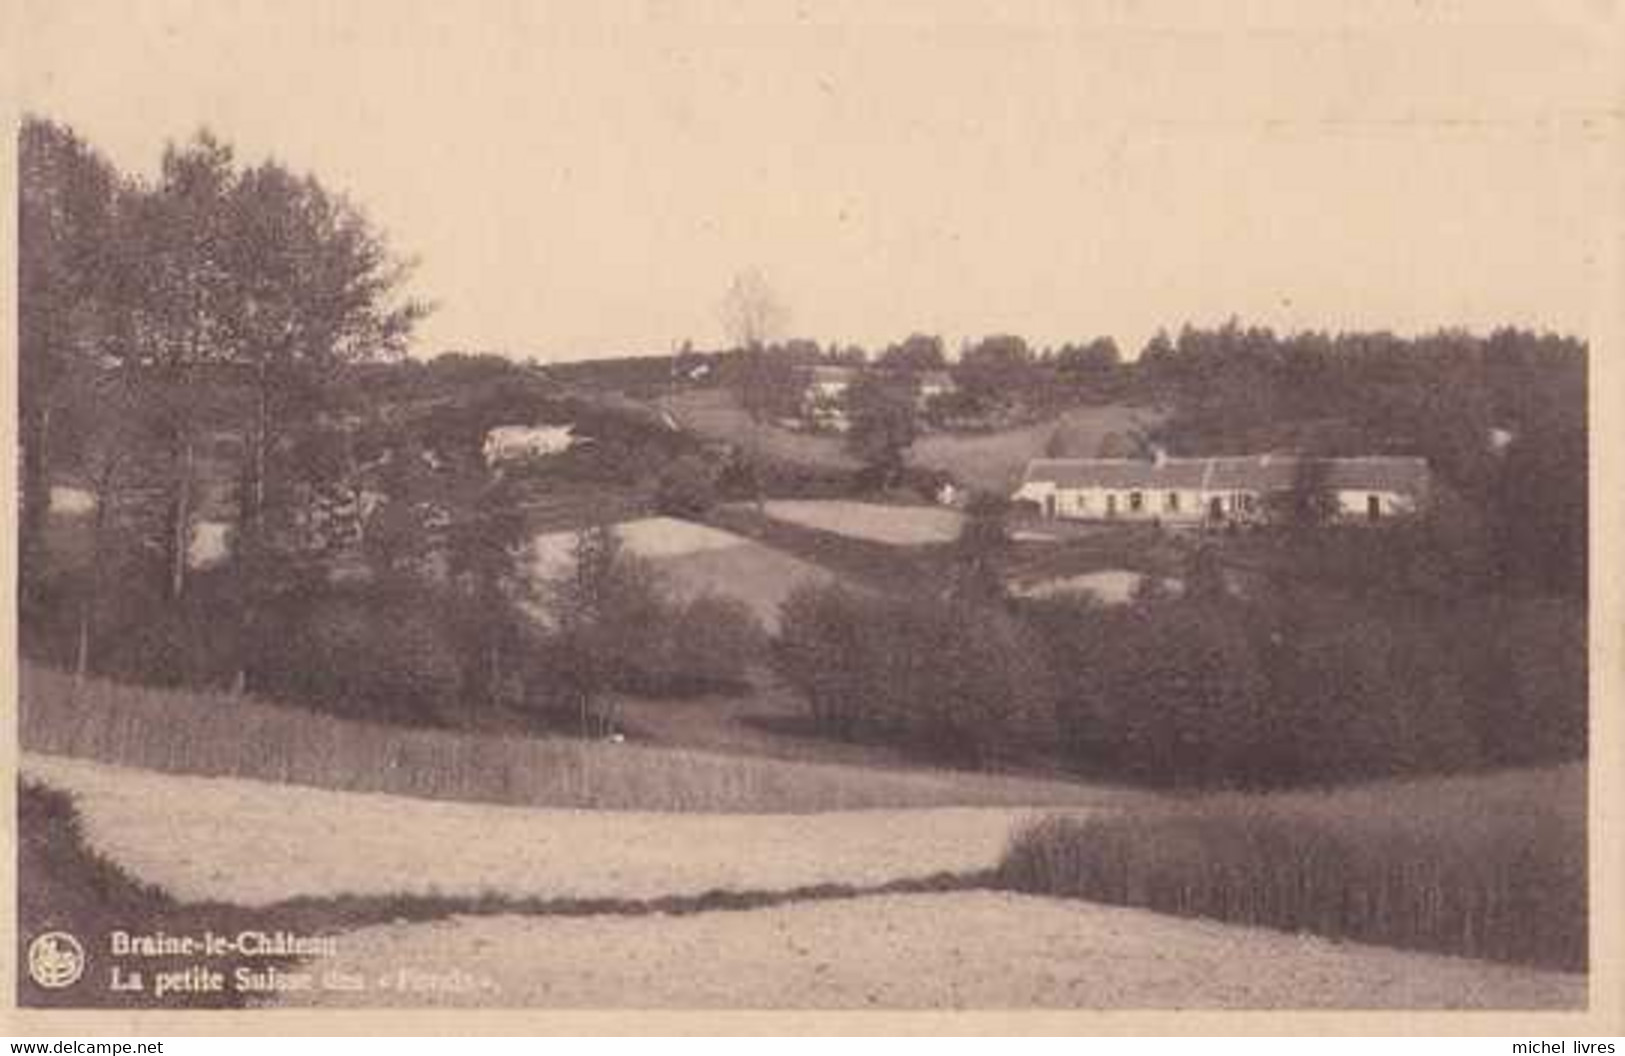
[873, 521]
[696, 559]
[1489, 866]
[228, 736]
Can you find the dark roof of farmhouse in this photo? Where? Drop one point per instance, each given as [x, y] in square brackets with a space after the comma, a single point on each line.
[1230, 473]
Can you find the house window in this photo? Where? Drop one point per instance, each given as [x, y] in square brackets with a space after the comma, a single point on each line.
[1136, 501]
[1246, 502]
[1373, 507]
[1170, 502]
[1111, 504]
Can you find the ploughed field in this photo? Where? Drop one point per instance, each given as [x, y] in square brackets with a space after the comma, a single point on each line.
[511, 872]
[253, 843]
[952, 950]
[459, 903]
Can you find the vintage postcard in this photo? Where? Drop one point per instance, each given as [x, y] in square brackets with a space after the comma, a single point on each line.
[883, 516]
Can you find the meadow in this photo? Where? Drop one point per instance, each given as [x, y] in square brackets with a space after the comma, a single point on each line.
[1489, 866]
[872, 521]
[693, 560]
[218, 734]
[714, 414]
[995, 461]
[992, 461]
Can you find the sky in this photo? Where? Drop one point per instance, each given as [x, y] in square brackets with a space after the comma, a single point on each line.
[582, 179]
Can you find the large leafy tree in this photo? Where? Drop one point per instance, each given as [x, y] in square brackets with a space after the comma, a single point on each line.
[915, 352]
[604, 609]
[176, 301]
[68, 198]
[313, 288]
[222, 305]
[883, 425]
[996, 369]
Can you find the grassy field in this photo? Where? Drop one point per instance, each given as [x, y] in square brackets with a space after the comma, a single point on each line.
[1126, 548]
[1112, 586]
[768, 719]
[990, 461]
[715, 415]
[873, 521]
[221, 735]
[863, 562]
[1490, 866]
[696, 559]
[995, 461]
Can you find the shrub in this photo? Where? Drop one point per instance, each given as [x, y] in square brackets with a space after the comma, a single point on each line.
[714, 643]
[1311, 687]
[1168, 691]
[371, 654]
[959, 679]
[685, 487]
[824, 654]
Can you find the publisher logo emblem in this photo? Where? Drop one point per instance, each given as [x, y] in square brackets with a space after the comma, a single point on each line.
[55, 960]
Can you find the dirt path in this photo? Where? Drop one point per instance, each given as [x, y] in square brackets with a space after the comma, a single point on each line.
[253, 843]
[978, 950]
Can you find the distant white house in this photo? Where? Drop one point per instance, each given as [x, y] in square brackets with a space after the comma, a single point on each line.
[72, 502]
[210, 544]
[932, 385]
[508, 443]
[823, 395]
[1198, 491]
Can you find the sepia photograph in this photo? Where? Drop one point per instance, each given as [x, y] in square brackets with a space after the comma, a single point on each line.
[850, 507]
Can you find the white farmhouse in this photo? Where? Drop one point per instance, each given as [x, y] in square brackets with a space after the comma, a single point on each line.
[1205, 491]
[508, 443]
[932, 385]
[210, 544]
[72, 502]
[823, 395]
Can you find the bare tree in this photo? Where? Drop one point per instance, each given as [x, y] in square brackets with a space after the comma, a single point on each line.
[752, 316]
